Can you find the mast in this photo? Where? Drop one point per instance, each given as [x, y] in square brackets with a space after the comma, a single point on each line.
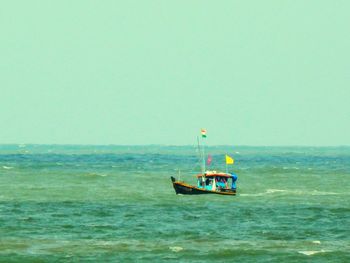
[204, 135]
[201, 157]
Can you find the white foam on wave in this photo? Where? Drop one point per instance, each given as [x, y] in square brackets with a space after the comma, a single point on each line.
[176, 249]
[268, 191]
[315, 192]
[290, 192]
[316, 242]
[311, 252]
[7, 167]
[291, 168]
[258, 194]
[95, 174]
[272, 191]
[299, 192]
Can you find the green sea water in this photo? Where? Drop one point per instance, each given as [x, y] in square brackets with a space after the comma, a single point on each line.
[117, 204]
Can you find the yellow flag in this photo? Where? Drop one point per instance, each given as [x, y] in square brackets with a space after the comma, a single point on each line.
[229, 160]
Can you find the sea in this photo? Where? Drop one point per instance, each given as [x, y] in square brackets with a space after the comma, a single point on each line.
[71, 203]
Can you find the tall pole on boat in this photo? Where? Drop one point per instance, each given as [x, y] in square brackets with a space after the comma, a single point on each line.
[204, 135]
[201, 156]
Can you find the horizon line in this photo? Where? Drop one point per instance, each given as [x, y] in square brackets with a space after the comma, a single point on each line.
[167, 145]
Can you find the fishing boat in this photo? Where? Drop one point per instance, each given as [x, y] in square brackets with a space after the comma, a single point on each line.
[208, 182]
[211, 182]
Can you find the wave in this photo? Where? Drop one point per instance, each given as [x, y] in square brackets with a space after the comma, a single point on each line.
[268, 192]
[95, 174]
[290, 168]
[7, 167]
[272, 191]
[176, 249]
[311, 252]
[315, 192]
[291, 192]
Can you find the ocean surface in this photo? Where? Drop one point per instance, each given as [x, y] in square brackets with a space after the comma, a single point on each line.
[117, 204]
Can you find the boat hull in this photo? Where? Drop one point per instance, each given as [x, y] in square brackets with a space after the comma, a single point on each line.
[186, 189]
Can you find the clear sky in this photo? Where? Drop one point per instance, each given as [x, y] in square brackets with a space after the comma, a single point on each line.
[155, 72]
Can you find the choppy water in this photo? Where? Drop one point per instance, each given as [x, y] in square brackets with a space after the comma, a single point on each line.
[116, 203]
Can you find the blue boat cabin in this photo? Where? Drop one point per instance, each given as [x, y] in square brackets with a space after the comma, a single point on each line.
[214, 181]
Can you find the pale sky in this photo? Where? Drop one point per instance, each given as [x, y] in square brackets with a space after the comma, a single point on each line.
[155, 72]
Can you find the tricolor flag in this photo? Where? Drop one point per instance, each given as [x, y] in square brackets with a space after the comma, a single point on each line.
[204, 133]
[229, 160]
